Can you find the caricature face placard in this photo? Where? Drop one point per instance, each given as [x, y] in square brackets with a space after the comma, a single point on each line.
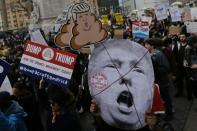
[120, 78]
[82, 29]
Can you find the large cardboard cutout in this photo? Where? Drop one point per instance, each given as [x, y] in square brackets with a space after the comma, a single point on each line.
[81, 29]
[120, 77]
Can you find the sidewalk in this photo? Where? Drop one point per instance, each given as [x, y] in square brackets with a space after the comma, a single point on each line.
[182, 108]
[191, 121]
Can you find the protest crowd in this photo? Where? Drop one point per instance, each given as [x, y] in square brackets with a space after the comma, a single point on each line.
[36, 104]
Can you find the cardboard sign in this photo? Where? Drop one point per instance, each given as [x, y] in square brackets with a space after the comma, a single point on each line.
[186, 15]
[194, 13]
[81, 28]
[104, 19]
[147, 19]
[140, 29]
[36, 36]
[39, 61]
[161, 12]
[191, 27]
[175, 14]
[56, 27]
[166, 3]
[174, 30]
[4, 69]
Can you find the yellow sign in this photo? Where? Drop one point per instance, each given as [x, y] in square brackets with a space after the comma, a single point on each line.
[104, 19]
[119, 18]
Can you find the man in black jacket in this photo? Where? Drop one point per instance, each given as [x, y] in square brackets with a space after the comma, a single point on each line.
[178, 50]
[161, 70]
[190, 62]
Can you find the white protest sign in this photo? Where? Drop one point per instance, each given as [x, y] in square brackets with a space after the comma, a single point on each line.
[175, 14]
[147, 19]
[37, 37]
[191, 27]
[186, 15]
[161, 12]
[57, 27]
[166, 3]
[194, 13]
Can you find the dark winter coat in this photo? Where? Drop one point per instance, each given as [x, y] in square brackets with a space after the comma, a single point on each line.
[12, 119]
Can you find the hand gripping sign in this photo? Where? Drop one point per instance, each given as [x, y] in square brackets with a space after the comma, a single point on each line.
[81, 29]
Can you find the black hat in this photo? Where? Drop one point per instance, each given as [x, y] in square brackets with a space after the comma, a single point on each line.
[5, 98]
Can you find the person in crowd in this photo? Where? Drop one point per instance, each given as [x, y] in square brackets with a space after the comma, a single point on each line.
[190, 62]
[13, 74]
[112, 31]
[179, 52]
[120, 72]
[167, 45]
[11, 114]
[26, 100]
[161, 71]
[151, 119]
[64, 116]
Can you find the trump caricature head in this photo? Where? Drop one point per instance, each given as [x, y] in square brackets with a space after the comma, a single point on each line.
[120, 77]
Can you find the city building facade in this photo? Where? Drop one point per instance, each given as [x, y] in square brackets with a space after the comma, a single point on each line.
[17, 17]
[128, 6]
[1, 22]
[107, 6]
[3, 16]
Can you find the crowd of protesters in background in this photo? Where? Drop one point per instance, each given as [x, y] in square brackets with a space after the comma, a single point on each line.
[37, 105]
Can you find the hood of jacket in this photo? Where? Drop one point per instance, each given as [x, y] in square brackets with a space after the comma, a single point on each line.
[15, 109]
